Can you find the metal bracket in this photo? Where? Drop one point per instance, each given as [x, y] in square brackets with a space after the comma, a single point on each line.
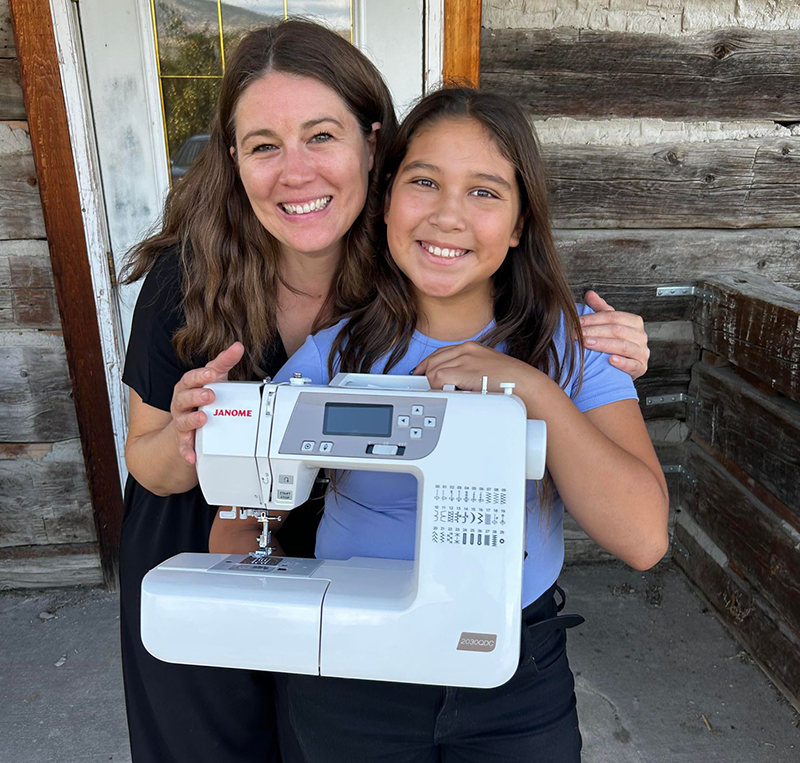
[685, 291]
[679, 469]
[681, 397]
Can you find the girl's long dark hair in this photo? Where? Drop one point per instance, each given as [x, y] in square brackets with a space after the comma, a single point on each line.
[531, 295]
[229, 262]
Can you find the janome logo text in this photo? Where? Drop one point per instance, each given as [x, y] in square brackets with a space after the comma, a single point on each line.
[234, 412]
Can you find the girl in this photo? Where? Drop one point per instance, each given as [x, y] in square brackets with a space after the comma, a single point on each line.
[469, 285]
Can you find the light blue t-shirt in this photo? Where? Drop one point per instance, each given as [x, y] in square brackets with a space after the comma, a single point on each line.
[373, 514]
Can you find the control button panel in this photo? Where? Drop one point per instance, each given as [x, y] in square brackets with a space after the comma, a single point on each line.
[286, 479]
[429, 421]
[307, 446]
[285, 495]
[417, 410]
[325, 447]
[415, 433]
[403, 421]
[384, 450]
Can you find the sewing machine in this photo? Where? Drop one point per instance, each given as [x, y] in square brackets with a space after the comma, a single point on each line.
[449, 617]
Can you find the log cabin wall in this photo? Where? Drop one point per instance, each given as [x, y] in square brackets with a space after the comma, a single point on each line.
[47, 534]
[671, 129]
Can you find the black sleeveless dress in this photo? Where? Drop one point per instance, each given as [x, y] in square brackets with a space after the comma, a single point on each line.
[180, 713]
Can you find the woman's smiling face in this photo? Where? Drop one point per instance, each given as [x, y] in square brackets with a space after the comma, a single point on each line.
[453, 210]
[303, 160]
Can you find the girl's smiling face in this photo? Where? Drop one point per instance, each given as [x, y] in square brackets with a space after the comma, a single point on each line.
[453, 210]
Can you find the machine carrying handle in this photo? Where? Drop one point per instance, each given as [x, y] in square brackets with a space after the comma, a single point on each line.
[535, 449]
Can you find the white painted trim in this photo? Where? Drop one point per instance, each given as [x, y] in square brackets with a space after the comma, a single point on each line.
[433, 54]
[87, 169]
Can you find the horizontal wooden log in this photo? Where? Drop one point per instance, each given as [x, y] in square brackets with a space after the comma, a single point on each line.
[7, 49]
[663, 382]
[50, 566]
[721, 184]
[11, 103]
[759, 545]
[45, 498]
[27, 293]
[757, 432]
[723, 74]
[627, 266]
[750, 618]
[35, 390]
[755, 324]
[21, 216]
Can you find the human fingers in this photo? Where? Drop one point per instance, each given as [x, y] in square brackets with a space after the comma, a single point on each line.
[185, 427]
[630, 366]
[226, 360]
[441, 355]
[596, 302]
[612, 317]
[190, 398]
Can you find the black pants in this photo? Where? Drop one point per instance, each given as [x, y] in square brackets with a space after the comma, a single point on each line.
[530, 718]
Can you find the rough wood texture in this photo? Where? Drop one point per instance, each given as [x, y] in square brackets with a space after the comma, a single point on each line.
[755, 324]
[44, 499]
[750, 618]
[723, 184]
[7, 49]
[625, 267]
[50, 141]
[27, 293]
[50, 566]
[723, 74]
[462, 41]
[20, 205]
[760, 546]
[11, 102]
[758, 433]
[35, 391]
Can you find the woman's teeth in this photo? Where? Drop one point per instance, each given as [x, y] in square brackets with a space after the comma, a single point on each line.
[309, 206]
[437, 251]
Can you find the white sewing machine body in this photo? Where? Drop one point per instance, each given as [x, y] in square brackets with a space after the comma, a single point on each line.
[449, 617]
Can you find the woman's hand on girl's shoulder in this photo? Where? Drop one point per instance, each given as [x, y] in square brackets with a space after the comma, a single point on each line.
[616, 333]
[189, 395]
[465, 365]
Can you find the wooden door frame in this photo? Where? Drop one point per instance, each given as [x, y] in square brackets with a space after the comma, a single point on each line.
[61, 205]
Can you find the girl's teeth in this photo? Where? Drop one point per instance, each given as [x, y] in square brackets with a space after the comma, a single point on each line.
[439, 252]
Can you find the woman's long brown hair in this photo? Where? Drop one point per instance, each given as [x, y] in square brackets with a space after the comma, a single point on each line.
[229, 262]
[531, 295]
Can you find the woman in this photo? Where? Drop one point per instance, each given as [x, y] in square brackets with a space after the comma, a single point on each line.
[269, 235]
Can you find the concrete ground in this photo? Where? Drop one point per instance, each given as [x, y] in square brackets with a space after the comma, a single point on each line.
[659, 679]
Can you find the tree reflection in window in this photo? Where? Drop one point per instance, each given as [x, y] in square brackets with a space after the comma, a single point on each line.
[192, 38]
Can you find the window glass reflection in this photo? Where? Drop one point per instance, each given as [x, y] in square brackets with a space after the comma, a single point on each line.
[192, 38]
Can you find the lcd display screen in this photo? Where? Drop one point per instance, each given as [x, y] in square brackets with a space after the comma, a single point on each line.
[358, 420]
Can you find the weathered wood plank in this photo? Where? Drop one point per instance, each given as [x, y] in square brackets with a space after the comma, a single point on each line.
[759, 545]
[44, 499]
[663, 382]
[627, 266]
[724, 74]
[748, 615]
[722, 184]
[50, 566]
[27, 293]
[7, 49]
[21, 206]
[35, 391]
[462, 41]
[759, 433]
[755, 324]
[11, 103]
